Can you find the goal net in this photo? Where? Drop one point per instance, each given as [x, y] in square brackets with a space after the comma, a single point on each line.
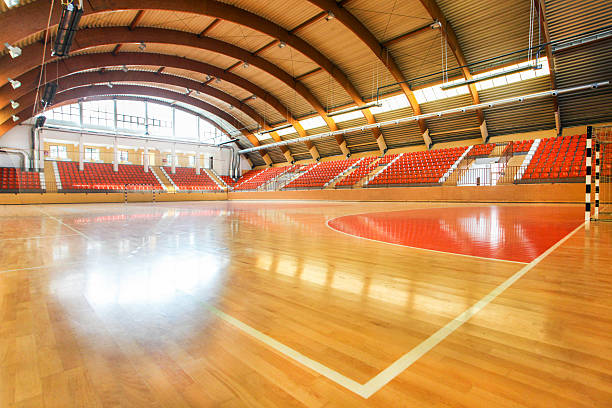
[602, 147]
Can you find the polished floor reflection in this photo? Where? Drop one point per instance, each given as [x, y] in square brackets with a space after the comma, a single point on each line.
[124, 305]
[512, 233]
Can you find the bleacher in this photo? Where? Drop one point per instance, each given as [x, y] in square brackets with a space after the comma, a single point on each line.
[228, 180]
[14, 180]
[558, 159]
[481, 150]
[261, 178]
[186, 179]
[364, 168]
[418, 168]
[519, 147]
[101, 177]
[319, 175]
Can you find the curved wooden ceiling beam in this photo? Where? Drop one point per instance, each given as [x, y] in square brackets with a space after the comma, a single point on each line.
[88, 61]
[451, 38]
[67, 80]
[366, 37]
[16, 28]
[94, 37]
[25, 110]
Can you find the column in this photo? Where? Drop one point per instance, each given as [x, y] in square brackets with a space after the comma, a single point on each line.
[116, 156]
[81, 153]
[198, 160]
[41, 150]
[173, 158]
[145, 158]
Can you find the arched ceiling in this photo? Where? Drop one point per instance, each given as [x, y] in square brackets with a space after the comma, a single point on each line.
[267, 63]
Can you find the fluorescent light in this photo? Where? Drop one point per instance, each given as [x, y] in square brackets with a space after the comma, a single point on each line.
[14, 83]
[14, 104]
[14, 51]
[496, 74]
[355, 108]
[288, 125]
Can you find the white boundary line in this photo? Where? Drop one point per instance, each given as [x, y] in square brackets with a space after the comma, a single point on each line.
[417, 248]
[37, 237]
[396, 368]
[65, 225]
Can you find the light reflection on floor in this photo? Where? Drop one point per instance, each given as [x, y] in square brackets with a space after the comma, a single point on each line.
[514, 233]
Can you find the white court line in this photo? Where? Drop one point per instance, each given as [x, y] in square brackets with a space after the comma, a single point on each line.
[418, 248]
[66, 225]
[396, 368]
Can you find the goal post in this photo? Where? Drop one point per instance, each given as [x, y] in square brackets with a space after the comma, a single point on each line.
[602, 173]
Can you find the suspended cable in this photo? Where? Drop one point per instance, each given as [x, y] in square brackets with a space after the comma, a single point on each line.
[42, 64]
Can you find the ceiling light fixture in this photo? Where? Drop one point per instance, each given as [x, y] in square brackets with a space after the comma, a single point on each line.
[245, 65]
[282, 44]
[355, 108]
[48, 95]
[330, 15]
[218, 80]
[67, 28]
[110, 85]
[15, 118]
[14, 83]
[142, 46]
[490, 76]
[14, 104]
[208, 78]
[124, 68]
[436, 25]
[14, 51]
[276, 129]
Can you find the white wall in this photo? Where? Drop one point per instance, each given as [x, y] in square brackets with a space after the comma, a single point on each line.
[19, 138]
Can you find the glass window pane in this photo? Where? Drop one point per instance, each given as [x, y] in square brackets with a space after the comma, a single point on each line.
[186, 125]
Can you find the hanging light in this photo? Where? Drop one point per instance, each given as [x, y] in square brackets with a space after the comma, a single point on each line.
[276, 129]
[14, 104]
[15, 118]
[355, 108]
[14, 83]
[48, 94]
[14, 51]
[67, 28]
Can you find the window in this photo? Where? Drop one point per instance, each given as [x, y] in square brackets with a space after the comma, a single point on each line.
[99, 114]
[191, 161]
[58, 152]
[123, 156]
[131, 115]
[92, 154]
[67, 113]
[186, 126]
[169, 160]
[159, 119]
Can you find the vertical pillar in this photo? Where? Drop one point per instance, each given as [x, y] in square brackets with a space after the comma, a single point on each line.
[198, 160]
[597, 165]
[173, 158]
[145, 158]
[81, 153]
[589, 165]
[41, 150]
[116, 156]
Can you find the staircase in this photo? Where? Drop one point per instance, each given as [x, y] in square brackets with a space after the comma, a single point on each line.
[451, 176]
[163, 179]
[55, 171]
[532, 150]
[211, 173]
[50, 177]
[379, 170]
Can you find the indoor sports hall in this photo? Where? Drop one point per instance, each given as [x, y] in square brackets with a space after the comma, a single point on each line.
[305, 203]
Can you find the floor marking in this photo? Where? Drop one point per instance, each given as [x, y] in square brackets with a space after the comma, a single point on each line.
[66, 225]
[29, 268]
[418, 248]
[396, 368]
